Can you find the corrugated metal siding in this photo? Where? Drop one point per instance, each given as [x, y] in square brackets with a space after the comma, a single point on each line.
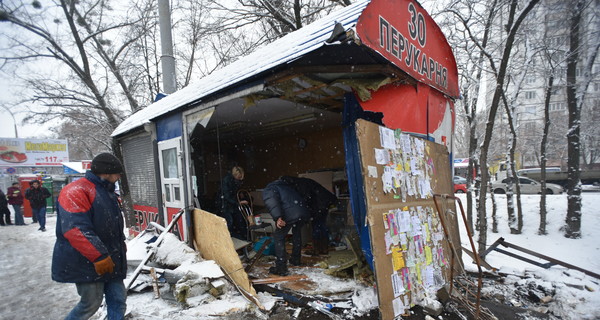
[139, 166]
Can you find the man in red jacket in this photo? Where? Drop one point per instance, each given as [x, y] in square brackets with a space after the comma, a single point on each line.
[90, 243]
[15, 199]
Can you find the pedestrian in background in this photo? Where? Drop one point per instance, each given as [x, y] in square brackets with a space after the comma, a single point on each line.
[36, 194]
[15, 199]
[4, 212]
[90, 243]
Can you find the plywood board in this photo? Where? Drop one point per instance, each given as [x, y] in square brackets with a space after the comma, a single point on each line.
[214, 243]
[410, 251]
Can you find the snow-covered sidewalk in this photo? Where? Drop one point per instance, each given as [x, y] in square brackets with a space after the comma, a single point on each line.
[28, 291]
[574, 295]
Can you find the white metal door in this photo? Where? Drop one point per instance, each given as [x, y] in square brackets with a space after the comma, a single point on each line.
[171, 177]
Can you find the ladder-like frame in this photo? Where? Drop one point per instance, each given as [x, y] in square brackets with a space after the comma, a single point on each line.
[466, 297]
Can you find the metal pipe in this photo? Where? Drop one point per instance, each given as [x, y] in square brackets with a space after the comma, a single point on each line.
[14, 121]
[166, 43]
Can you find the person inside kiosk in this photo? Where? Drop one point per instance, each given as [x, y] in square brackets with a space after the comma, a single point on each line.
[227, 203]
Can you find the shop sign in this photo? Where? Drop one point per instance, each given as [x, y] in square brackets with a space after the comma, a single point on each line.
[404, 33]
[33, 152]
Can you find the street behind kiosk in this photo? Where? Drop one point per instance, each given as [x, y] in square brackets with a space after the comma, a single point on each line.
[291, 108]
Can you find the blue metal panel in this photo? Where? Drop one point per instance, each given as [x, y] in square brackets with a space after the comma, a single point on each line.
[352, 112]
[169, 127]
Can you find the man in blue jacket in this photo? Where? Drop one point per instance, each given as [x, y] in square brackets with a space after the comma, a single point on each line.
[90, 244]
[289, 211]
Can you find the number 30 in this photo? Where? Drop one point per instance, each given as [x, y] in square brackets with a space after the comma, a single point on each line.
[416, 25]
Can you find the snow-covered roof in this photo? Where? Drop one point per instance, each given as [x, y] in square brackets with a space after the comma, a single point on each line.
[281, 51]
[76, 166]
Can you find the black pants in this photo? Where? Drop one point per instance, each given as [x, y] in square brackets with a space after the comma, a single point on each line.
[4, 216]
[235, 223]
[279, 238]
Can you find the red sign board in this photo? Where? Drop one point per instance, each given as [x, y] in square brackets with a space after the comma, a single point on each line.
[143, 216]
[404, 33]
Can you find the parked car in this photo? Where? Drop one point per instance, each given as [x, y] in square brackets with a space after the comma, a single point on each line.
[528, 186]
[460, 184]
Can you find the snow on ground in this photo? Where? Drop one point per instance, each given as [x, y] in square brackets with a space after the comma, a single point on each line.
[29, 293]
[572, 296]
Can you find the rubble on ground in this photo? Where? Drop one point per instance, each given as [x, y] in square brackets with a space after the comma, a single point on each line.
[190, 286]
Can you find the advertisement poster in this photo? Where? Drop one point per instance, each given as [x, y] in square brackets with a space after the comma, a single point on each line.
[33, 152]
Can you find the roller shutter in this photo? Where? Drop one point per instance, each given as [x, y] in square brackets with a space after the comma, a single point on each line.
[140, 168]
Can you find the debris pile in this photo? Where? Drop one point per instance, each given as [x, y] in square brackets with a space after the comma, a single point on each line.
[186, 285]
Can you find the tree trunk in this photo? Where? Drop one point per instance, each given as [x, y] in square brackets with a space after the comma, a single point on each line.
[543, 211]
[573, 220]
[494, 210]
[516, 225]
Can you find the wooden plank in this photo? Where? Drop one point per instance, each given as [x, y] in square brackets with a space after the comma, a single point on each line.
[214, 242]
[294, 277]
[483, 262]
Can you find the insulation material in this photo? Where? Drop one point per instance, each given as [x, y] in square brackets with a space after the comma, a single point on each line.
[411, 253]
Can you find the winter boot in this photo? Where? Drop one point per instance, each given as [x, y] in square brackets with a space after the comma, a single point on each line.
[296, 262]
[323, 246]
[279, 270]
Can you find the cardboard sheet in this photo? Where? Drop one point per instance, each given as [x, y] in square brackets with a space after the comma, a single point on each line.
[214, 242]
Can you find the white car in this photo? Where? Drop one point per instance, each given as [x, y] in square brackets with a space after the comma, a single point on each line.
[528, 186]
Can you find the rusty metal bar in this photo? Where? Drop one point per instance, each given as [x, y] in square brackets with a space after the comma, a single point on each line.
[491, 247]
[539, 255]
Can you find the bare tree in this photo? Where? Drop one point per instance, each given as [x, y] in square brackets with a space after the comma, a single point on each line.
[468, 37]
[512, 27]
[72, 36]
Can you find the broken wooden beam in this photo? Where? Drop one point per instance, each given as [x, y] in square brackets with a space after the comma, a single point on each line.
[155, 283]
[295, 277]
[481, 260]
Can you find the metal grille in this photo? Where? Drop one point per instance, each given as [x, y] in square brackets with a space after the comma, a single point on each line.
[139, 165]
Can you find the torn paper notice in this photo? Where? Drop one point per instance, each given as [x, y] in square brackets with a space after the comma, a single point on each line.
[372, 172]
[397, 284]
[387, 138]
[382, 156]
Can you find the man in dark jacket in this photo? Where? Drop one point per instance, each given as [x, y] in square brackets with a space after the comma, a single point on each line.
[15, 199]
[90, 244]
[318, 199]
[289, 211]
[4, 212]
[227, 203]
[37, 195]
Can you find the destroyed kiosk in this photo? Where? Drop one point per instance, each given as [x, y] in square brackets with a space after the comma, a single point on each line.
[360, 101]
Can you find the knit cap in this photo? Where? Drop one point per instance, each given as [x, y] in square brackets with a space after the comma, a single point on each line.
[106, 163]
